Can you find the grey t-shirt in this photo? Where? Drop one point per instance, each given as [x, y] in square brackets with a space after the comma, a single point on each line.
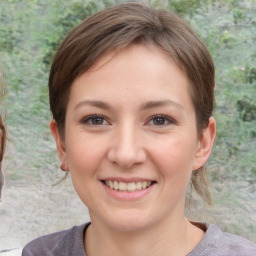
[70, 243]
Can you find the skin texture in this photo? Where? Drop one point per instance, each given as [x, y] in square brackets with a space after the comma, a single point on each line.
[145, 129]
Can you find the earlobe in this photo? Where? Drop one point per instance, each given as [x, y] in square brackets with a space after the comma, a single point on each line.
[60, 144]
[205, 144]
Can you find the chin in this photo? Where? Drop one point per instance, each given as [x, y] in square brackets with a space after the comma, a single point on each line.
[129, 223]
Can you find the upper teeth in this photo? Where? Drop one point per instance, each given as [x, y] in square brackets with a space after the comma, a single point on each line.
[131, 186]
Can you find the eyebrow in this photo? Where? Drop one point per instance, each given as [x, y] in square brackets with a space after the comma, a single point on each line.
[161, 103]
[145, 106]
[95, 103]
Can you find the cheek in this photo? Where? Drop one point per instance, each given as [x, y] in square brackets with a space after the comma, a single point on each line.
[174, 160]
[85, 154]
[84, 158]
[175, 156]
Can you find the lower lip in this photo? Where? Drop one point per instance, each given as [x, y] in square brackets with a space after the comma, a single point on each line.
[127, 196]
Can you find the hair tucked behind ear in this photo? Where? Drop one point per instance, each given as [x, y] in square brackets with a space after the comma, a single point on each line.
[200, 183]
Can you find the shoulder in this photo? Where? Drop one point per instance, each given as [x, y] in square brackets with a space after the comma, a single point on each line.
[239, 244]
[67, 242]
[218, 243]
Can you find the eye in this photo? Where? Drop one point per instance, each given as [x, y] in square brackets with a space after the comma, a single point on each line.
[96, 120]
[160, 120]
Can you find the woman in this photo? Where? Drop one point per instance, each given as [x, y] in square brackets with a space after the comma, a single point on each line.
[132, 95]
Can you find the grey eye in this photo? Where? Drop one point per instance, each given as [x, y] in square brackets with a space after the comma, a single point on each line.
[159, 121]
[97, 120]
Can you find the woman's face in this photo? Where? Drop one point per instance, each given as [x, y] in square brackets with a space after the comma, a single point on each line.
[131, 138]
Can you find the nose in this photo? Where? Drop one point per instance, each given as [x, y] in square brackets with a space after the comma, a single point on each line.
[126, 148]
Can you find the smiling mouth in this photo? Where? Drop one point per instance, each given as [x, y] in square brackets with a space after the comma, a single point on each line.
[128, 187]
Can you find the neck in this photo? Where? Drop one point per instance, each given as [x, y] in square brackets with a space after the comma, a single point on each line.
[170, 238]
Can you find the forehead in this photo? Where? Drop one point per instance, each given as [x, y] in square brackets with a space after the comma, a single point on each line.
[137, 58]
[137, 73]
[139, 50]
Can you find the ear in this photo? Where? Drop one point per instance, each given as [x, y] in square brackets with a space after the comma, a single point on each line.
[60, 144]
[205, 144]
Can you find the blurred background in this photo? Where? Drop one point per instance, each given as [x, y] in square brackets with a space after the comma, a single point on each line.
[34, 201]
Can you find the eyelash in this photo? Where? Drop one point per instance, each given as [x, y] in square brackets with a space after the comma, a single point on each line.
[163, 117]
[89, 120]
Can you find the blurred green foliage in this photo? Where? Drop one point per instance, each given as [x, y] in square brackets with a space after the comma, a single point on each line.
[31, 31]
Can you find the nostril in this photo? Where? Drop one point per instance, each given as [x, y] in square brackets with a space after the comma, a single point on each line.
[126, 158]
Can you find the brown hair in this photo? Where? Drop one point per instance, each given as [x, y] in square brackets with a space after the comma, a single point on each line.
[123, 25]
[2, 140]
[2, 126]
[2, 136]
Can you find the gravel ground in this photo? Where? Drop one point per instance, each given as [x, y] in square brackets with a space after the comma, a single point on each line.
[32, 210]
